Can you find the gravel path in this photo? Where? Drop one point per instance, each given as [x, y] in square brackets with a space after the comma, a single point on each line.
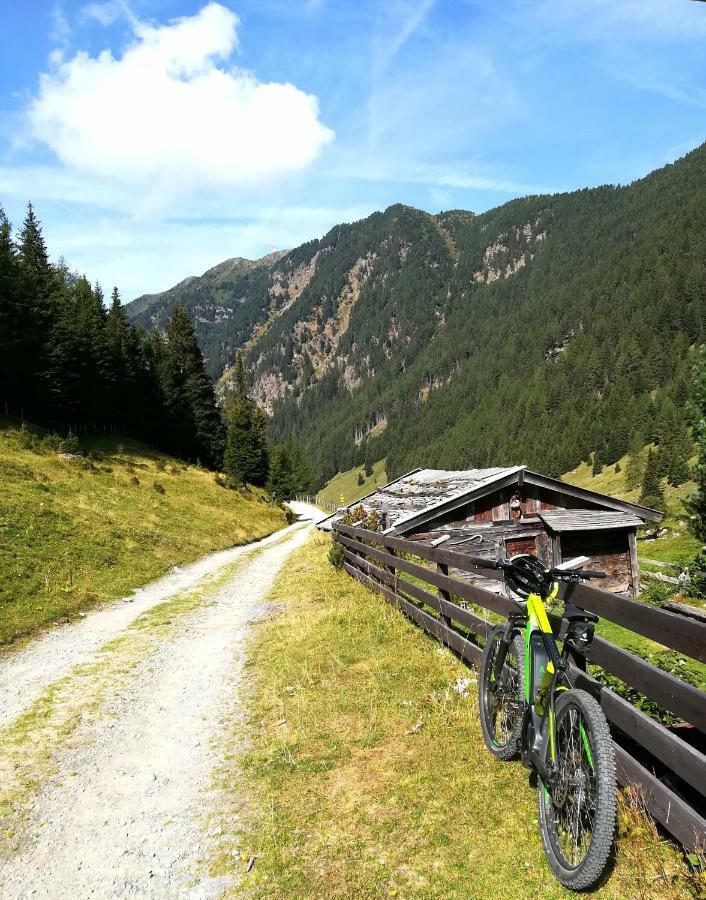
[25, 673]
[125, 816]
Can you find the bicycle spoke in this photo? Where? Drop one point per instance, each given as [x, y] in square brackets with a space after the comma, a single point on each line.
[574, 796]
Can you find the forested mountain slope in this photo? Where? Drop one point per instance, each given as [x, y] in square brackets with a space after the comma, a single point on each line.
[536, 332]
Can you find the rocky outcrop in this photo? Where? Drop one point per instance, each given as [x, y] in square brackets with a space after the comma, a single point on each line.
[510, 252]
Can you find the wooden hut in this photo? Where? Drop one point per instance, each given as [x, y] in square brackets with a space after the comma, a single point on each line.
[505, 511]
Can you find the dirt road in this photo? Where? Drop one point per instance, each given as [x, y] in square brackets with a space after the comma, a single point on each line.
[123, 809]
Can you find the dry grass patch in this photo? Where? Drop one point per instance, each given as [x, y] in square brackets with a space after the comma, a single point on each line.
[359, 770]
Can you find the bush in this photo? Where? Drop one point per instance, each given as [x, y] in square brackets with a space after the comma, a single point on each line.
[335, 555]
[655, 592]
[159, 488]
[697, 574]
[359, 517]
[361, 480]
[52, 443]
[70, 444]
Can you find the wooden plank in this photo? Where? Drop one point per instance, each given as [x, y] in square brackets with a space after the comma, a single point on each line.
[656, 562]
[674, 813]
[450, 558]
[495, 602]
[671, 692]
[600, 500]
[681, 820]
[681, 698]
[659, 576]
[462, 646]
[684, 760]
[685, 610]
[670, 629]
[450, 610]
[634, 565]
[443, 569]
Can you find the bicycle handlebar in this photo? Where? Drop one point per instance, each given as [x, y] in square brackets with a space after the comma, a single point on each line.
[559, 574]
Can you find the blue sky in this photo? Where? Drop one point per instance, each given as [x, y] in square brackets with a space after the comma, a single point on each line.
[157, 138]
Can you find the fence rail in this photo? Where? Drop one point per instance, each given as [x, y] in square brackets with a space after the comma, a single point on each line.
[315, 501]
[669, 771]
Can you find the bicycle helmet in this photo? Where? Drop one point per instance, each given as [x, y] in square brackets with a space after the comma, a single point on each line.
[528, 575]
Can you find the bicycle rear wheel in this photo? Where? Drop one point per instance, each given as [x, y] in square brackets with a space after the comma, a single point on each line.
[501, 702]
[577, 814]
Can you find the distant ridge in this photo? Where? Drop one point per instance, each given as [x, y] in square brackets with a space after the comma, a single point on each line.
[543, 329]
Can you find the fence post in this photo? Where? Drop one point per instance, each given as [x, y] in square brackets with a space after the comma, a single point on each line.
[444, 595]
[391, 569]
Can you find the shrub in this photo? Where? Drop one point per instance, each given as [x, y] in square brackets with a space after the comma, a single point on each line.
[335, 555]
[26, 439]
[70, 444]
[52, 443]
[655, 592]
[359, 517]
[697, 575]
[159, 488]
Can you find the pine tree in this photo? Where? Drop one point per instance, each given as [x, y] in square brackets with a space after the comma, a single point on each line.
[246, 457]
[281, 482]
[34, 313]
[696, 502]
[598, 463]
[652, 495]
[10, 387]
[195, 429]
[368, 463]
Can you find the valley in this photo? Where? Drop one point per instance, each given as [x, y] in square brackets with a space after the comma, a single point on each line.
[471, 339]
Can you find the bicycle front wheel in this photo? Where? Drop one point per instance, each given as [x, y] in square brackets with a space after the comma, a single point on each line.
[577, 814]
[501, 701]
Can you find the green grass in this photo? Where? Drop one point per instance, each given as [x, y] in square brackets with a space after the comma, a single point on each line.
[678, 544]
[359, 770]
[77, 531]
[344, 488]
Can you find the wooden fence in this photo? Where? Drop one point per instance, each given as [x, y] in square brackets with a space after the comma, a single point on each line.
[669, 771]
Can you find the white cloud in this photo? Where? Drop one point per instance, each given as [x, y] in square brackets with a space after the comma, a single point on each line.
[60, 30]
[107, 12]
[170, 118]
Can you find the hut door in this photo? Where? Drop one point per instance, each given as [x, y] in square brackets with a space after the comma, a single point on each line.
[514, 546]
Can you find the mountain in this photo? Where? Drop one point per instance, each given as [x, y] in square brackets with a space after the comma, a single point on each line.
[537, 332]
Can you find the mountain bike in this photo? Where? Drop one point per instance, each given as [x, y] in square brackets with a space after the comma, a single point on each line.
[528, 706]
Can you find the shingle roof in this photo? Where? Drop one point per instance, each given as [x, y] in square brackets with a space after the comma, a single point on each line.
[419, 496]
[428, 488]
[587, 519]
[423, 490]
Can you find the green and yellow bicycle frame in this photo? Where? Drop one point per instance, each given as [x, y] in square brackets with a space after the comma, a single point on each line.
[544, 669]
